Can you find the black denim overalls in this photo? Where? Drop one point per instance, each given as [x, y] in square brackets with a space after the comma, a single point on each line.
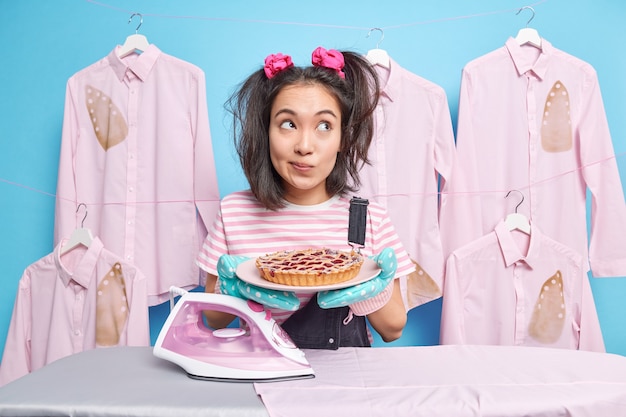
[313, 327]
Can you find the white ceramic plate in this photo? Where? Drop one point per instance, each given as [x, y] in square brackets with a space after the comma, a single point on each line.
[248, 272]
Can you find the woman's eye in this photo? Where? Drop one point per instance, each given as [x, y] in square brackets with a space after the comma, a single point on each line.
[324, 126]
[287, 124]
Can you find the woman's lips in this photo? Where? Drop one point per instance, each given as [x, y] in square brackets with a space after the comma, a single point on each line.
[301, 167]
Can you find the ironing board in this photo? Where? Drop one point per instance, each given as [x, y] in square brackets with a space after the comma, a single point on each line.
[124, 381]
[451, 381]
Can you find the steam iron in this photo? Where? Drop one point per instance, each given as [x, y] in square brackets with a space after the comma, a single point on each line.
[258, 351]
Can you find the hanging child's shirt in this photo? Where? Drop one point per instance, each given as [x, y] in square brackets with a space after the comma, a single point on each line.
[69, 303]
[508, 288]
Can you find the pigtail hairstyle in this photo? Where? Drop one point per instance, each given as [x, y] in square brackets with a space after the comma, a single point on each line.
[250, 107]
[358, 105]
[357, 95]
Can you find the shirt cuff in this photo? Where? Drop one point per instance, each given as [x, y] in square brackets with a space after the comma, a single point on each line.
[365, 307]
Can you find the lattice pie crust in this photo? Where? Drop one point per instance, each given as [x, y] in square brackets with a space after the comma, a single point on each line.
[309, 267]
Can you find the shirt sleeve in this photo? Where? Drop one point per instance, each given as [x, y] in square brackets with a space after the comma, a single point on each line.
[205, 178]
[384, 235]
[138, 329]
[65, 217]
[445, 149]
[452, 327]
[213, 247]
[608, 210]
[16, 360]
[460, 200]
[590, 333]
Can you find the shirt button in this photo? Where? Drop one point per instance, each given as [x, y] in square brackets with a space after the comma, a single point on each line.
[331, 340]
[77, 332]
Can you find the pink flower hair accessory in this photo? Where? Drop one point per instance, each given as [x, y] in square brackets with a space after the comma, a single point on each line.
[330, 58]
[276, 63]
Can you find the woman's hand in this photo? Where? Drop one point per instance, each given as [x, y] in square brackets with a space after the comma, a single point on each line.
[388, 264]
[231, 284]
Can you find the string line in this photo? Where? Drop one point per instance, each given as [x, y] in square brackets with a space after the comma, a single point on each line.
[438, 193]
[325, 25]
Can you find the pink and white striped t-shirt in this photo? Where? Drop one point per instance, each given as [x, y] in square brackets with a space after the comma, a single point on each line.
[244, 227]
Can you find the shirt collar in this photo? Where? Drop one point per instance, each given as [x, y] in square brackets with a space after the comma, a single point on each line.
[392, 86]
[141, 66]
[511, 252]
[525, 62]
[84, 269]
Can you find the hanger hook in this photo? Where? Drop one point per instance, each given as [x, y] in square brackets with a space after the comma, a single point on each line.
[140, 20]
[82, 223]
[382, 36]
[521, 201]
[531, 17]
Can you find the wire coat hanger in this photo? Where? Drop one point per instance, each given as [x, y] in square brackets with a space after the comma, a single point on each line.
[135, 43]
[80, 235]
[520, 202]
[378, 56]
[382, 36]
[517, 220]
[528, 35]
[141, 20]
[531, 17]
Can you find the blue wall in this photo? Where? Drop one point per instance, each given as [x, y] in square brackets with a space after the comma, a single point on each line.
[43, 43]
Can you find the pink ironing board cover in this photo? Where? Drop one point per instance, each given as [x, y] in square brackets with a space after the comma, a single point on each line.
[453, 381]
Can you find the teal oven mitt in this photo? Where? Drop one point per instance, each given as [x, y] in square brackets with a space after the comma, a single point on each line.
[231, 284]
[388, 264]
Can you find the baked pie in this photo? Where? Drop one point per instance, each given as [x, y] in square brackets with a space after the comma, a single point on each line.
[309, 267]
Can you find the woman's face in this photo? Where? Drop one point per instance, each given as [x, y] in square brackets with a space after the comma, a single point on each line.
[305, 137]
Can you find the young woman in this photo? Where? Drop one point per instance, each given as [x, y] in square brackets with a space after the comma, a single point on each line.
[302, 134]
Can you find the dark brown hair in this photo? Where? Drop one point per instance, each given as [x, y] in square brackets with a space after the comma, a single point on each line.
[251, 104]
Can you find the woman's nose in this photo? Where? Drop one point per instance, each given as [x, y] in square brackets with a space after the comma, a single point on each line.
[304, 145]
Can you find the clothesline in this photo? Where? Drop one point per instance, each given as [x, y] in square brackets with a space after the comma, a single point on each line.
[482, 192]
[325, 25]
